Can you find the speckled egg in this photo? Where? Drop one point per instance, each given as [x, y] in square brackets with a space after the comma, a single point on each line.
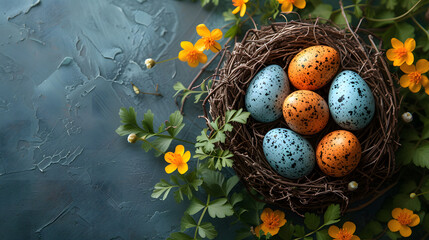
[313, 67]
[266, 93]
[288, 153]
[351, 102]
[305, 112]
[338, 153]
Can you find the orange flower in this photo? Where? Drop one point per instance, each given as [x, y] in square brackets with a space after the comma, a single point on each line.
[240, 6]
[208, 40]
[403, 220]
[413, 79]
[345, 233]
[178, 160]
[287, 5]
[401, 52]
[271, 222]
[192, 54]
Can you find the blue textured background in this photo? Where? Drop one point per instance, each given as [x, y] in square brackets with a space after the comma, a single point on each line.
[66, 68]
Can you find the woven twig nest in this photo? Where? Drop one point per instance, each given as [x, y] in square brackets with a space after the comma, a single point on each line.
[278, 44]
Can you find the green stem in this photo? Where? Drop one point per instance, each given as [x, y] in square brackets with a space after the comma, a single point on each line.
[166, 60]
[395, 18]
[202, 216]
[349, 6]
[178, 139]
[144, 140]
[421, 27]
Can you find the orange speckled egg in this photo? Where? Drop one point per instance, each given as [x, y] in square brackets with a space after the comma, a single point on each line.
[305, 112]
[338, 153]
[314, 67]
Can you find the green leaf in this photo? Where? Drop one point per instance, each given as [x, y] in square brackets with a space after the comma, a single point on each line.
[393, 235]
[236, 198]
[243, 233]
[229, 16]
[204, 142]
[358, 11]
[195, 206]
[420, 158]
[426, 223]
[299, 231]
[409, 134]
[384, 15]
[286, 232]
[311, 221]
[425, 132]
[233, 31]
[405, 153]
[408, 4]
[207, 230]
[384, 215]
[404, 30]
[230, 184]
[332, 214]
[175, 124]
[371, 229]
[162, 189]
[220, 208]
[322, 10]
[187, 222]
[239, 116]
[323, 235]
[339, 19]
[179, 236]
[404, 201]
[128, 117]
[161, 144]
[213, 182]
[425, 188]
[390, 4]
[148, 121]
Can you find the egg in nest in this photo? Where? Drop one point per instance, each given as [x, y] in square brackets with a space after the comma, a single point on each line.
[305, 112]
[338, 153]
[313, 67]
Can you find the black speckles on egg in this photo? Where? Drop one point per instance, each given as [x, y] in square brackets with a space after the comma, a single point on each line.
[288, 153]
[351, 101]
[266, 92]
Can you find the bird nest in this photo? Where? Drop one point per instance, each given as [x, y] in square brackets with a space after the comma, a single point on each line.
[277, 44]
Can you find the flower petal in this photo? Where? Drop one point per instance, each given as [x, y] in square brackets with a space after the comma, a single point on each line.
[427, 91]
[279, 214]
[415, 220]
[405, 231]
[410, 58]
[351, 227]
[300, 4]
[272, 231]
[394, 225]
[180, 149]
[169, 157]
[425, 81]
[265, 214]
[390, 54]
[186, 156]
[354, 237]
[186, 45]
[282, 222]
[183, 168]
[398, 62]
[408, 68]
[193, 63]
[287, 7]
[396, 43]
[333, 231]
[242, 10]
[200, 46]
[407, 211]
[170, 168]
[216, 34]
[216, 47]
[405, 82]
[202, 58]
[396, 211]
[203, 31]
[415, 87]
[257, 230]
[183, 55]
[422, 66]
[410, 44]
[236, 10]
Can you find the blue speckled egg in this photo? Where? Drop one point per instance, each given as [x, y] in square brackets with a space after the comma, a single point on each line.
[266, 93]
[350, 101]
[288, 153]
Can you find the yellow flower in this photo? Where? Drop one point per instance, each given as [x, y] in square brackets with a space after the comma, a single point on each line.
[192, 54]
[178, 160]
[401, 52]
[271, 222]
[287, 5]
[413, 79]
[208, 40]
[403, 220]
[345, 233]
[240, 6]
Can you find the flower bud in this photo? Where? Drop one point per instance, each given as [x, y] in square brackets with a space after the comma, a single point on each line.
[132, 138]
[149, 63]
[353, 185]
[407, 117]
[413, 195]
